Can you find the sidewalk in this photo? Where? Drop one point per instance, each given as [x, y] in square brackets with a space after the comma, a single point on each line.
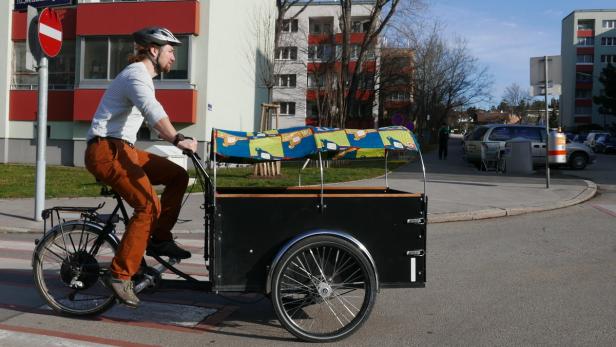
[456, 192]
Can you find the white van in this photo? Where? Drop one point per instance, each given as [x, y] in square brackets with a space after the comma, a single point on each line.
[496, 135]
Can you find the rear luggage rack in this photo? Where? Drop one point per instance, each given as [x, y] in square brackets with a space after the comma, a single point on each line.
[86, 213]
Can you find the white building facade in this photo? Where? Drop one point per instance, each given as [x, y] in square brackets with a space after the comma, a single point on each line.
[212, 84]
[588, 45]
[310, 39]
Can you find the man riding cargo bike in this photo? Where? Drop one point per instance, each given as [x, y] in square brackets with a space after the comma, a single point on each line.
[113, 159]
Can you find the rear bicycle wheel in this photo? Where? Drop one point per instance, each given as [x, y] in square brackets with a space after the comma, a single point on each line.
[68, 266]
[323, 289]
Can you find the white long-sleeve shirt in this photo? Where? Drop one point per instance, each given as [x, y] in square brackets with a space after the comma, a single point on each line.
[127, 100]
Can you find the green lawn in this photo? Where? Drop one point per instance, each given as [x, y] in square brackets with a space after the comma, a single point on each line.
[18, 181]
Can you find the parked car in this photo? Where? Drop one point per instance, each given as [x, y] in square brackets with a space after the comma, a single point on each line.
[579, 138]
[578, 154]
[606, 144]
[592, 138]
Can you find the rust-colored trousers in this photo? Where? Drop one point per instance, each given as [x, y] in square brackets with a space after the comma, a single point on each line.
[131, 172]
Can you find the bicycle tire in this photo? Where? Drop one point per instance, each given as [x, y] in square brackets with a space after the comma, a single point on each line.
[307, 283]
[76, 263]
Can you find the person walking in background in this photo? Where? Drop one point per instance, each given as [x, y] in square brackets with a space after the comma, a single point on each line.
[443, 139]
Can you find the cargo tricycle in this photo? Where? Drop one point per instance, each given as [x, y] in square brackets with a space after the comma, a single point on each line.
[320, 253]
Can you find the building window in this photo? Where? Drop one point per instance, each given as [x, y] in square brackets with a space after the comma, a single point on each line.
[583, 94]
[609, 24]
[322, 80]
[320, 27]
[585, 58]
[583, 110]
[360, 26]
[583, 77]
[314, 81]
[355, 52]
[320, 52]
[586, 25]
[608, 58]
[290, 25]
[398, 96]
[286, 81]
[287, 108]
[608, 41]
[586, 41]
[312, 109]
[105, 57]
[286, 53]
[61, 68]
[366, 81]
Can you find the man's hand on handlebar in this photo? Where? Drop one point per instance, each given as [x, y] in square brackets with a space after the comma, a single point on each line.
[188, 144]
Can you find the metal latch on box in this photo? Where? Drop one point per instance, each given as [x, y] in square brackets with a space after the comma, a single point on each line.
[416, 253]
[419, 221]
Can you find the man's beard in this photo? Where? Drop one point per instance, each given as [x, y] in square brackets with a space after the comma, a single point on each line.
[166, 68]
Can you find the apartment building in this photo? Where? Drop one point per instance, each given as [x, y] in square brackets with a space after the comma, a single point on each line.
[212, 83]
[309, 59]
[395, 87]
[588, 45]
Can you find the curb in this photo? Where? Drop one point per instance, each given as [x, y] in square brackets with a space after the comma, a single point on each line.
[588, 193]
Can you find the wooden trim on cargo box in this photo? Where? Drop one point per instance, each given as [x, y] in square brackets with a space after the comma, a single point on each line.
[395, 195]
[336, 188]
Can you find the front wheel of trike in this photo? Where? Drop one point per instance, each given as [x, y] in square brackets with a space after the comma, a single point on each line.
[68, 266]
[323, 289]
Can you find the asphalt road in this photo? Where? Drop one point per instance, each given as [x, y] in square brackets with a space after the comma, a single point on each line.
[537, 279]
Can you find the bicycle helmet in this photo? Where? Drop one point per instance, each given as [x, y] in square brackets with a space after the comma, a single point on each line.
[155, 35]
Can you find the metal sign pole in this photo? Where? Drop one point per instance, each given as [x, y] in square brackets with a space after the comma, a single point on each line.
[547, 129]
[41, 141]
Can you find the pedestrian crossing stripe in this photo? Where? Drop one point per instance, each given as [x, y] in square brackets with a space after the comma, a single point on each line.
[609, 209]
[196, 259]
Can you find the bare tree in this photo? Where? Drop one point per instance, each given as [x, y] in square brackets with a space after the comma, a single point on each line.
[517, 100]
[445, 75]
[349, 77]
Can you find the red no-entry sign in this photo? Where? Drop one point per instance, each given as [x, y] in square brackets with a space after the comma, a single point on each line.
[50, 32]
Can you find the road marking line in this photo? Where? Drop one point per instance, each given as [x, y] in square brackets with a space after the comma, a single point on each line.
[197, 258]
[86, 338]
[13, 338]
[609, 209]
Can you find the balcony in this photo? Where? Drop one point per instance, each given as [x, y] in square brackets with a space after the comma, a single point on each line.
[581, 67]
[583, 102]
[123, 18]
[355, 38]
[583, 85]
[586, 50]
[362, 95]
[181, 105]
[585, 33]
[583, 120]
[316, 39]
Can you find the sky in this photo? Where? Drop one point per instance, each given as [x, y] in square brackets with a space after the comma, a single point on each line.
[503, 35]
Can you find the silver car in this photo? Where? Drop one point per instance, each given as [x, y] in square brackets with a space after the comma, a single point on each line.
[578, 155]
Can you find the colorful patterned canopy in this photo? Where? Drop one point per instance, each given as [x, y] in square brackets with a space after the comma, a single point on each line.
[307, 142]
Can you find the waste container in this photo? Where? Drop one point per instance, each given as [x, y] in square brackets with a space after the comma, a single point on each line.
[518, 156]
[557, 150]
[170, 152]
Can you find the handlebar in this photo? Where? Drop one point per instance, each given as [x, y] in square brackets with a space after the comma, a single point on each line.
[191, 154]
